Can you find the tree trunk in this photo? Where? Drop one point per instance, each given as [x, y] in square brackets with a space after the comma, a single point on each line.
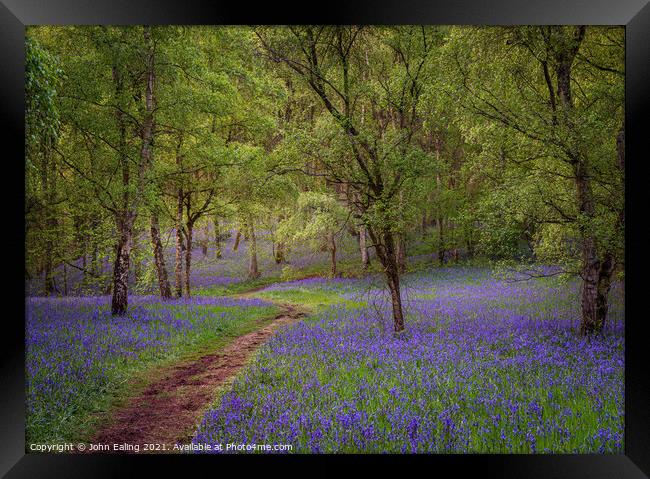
[401, 253]
[392, 273]
[279, 253]
[135, 255]
[178, 264]
[590, 262]
[590, 269]
[396, 300]
[120, 299]
[49, 279]
[607, 265]
[188, 257]
[423, 225]
[595, 274]
[159, 259]
[604, 286]
[204, 242]
[124, 220]
[365, 260]
[253, 272]
[400, 239]
[441, 242]
[620, 159]
[65, 280]
[332, 247]
[237, 239]
[387, 256]
[49, 179]
[470, 243]
[217, 237]
[146, 152]
[94, 258]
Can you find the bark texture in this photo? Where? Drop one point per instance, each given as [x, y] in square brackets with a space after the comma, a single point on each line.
[597, 267]
[178, 261]
[120, 299]
[123, 220]
[125, 217]
[253, 272]
[401, 253]
[217, 237]
[331, 241]
[279, 253]
[237, 240]
[188, 257]
[388, 259]
[441, 242]
[204, 242]
[159, 259]
[365, 260]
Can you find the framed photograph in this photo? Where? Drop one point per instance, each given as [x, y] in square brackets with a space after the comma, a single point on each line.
[383, 234]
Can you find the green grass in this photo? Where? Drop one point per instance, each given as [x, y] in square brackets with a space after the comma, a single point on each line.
[345, 269]
[237, 288]
[311, 299]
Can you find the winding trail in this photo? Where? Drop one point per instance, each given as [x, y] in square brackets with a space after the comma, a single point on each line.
[168, 410]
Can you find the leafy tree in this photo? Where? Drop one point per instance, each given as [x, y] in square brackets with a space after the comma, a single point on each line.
[506, 142]
[369, 83]
[42, 130]
[559, 91]
[318, 220]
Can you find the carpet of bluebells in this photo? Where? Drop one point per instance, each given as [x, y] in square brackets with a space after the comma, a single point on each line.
[76, 351]
[486, 366]
[207, 270]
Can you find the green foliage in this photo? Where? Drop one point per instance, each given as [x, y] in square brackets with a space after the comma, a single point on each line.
[405, 128]
[529, 144]
[42, 78]
[317, 216]
[289, 273]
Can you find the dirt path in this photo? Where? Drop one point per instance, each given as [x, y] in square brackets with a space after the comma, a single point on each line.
[168, 411]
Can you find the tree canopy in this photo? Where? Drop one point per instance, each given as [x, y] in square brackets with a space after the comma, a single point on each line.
[502, 143]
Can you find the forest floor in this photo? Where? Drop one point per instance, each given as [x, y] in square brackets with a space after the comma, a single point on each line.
[486, 365]
[168, 410]
[295, 357]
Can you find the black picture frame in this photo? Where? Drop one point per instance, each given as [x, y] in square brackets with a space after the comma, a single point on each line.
[634, 14]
